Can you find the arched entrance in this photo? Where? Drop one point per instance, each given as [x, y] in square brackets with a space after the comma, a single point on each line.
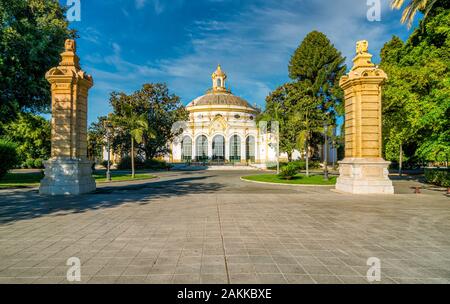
[201, 148]
[235, 149]
[250, 149]
[186, 149]
[218, 147]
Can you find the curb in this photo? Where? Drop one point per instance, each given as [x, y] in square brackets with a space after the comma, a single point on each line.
[281, 184]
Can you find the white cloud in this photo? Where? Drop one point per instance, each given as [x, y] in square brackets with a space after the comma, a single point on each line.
[254, 46]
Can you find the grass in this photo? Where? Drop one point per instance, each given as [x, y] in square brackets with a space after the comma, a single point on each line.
[299, 179]
[18, 180]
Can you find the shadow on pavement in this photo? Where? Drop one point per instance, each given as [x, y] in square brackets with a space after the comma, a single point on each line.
[17, 206]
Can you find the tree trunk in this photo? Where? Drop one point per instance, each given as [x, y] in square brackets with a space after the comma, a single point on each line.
[289, 156]
[132, 158]
[400, 163]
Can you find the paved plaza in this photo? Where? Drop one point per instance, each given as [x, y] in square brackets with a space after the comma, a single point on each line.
[211, 227]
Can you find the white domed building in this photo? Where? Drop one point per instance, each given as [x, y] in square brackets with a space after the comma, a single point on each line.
[222, 129]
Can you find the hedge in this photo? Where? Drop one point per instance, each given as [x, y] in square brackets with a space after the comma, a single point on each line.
[8, 157]
[438, 176]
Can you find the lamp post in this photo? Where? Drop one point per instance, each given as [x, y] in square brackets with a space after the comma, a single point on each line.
[325, 173]
[108, 149]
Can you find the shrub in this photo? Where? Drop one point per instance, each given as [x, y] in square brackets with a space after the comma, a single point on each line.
[8, 157]
[125, 163]
[289, 171]
[29, 164]
[38, 163]
[439, 177]
[155, 164]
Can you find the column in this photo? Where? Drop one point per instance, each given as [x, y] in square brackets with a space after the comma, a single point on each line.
[363, 171]
[68, 171]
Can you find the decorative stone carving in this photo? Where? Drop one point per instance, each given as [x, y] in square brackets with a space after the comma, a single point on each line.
[363, 171]
[68, 171]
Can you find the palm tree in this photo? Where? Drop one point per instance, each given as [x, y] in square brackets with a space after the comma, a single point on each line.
[412, 8]
[135, 124]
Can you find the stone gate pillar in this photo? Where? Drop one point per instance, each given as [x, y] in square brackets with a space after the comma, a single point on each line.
[363, 171]
[68, 171]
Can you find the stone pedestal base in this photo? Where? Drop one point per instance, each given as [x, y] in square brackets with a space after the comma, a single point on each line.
[364, 176]
[67, 177]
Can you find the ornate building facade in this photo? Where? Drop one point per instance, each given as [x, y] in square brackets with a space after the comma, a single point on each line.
[222, 128]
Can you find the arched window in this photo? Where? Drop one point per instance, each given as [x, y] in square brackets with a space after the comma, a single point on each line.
[218, 146]
[235, 149]
[201, 148]
[219, 82]
[186, 149]
[250, 148]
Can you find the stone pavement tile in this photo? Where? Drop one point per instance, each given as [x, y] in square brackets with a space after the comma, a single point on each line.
[137, 270]
[240, 268]
[34, 272]
[103, 279]
[213, 279]
[312, 261]
[266, 268]
[239, 259]
[128, 279]
[17, 280]
[186, 279]
[236, 251]
[49, 280]
[316, 270]
[159, 278]
[292, 269]
[142, 262]
[326, 279]
[186, 260]
[188, 269]
[353, 280]
[119, 261]
[342, 270]
[256, 259]
[242, 278]
[271, 279]
[167, 260]
[96, 261]
[334, 261]
[11, 272]
[213, 259]
[257, 251]
[213, 268]
[282, 260]
[111, 270]
[299, 279]
[163, 269]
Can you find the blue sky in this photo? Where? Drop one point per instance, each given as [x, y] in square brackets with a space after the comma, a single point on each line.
[126, 43]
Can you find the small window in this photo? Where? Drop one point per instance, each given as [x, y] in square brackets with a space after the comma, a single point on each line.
[237, 116]
[251, 118]
[219, 82]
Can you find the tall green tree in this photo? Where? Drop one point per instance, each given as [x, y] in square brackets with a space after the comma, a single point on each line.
[129, 120]
[32, 136]
[316, 67]
[162, 110]
[416, 98]
[32, 34]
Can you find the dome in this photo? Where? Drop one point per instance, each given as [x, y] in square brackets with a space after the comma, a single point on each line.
[219, 100]
[220, 95]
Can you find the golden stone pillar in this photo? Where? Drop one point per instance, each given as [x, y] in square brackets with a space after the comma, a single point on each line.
[69, 171]
[363, 171]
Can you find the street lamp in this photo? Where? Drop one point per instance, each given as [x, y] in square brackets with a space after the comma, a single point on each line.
[325, 173]
[108, 149]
